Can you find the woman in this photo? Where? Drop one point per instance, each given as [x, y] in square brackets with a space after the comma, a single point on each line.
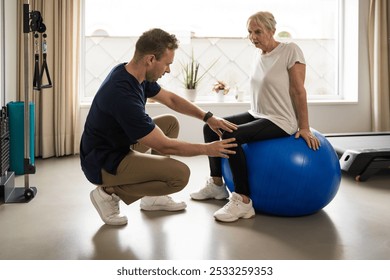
[278, 109]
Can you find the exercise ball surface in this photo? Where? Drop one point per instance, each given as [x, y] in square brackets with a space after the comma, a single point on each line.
[287, 178]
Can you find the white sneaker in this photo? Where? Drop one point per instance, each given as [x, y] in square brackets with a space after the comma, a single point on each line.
[235, 209]
[211, 191]
[161, 203]
[107, 207]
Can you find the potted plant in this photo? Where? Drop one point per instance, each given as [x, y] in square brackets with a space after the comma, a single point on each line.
[221, 88]
[191, 76]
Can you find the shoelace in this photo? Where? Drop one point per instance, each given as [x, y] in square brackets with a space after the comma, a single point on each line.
[231, 202]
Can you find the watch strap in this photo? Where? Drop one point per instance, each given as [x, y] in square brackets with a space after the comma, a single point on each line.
[207, 116]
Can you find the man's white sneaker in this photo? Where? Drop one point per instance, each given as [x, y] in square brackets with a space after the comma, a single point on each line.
[235, 209]
[161, 203]
[211, 191]
[107, 207]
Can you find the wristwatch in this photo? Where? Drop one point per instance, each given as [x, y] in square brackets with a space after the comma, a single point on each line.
[207, 116]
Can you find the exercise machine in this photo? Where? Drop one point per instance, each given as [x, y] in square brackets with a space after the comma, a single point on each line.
[32, 23]
[362, 155]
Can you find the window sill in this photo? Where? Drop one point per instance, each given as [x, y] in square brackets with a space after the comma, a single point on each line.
[332, 102]
[233, 102]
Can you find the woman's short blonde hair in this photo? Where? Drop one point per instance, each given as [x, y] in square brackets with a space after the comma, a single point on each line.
[264, 18]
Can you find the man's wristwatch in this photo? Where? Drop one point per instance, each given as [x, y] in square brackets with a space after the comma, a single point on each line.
[207, 116]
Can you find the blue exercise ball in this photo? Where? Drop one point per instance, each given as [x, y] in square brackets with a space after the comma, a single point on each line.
[287, 178]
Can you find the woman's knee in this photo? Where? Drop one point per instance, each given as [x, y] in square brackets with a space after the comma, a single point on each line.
[208, 134]
[233, 134]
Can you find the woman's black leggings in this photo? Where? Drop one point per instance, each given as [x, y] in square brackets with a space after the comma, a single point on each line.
[249, 129]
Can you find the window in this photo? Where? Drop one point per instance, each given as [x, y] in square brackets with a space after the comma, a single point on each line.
[214, 30]
[2, 48]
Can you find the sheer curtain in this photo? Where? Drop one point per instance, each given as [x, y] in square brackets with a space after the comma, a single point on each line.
[56, 108]
[378, 36]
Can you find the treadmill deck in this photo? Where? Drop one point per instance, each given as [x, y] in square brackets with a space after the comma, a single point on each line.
[362, 155]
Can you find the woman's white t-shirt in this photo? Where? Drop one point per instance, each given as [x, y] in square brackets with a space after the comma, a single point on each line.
[270, 86]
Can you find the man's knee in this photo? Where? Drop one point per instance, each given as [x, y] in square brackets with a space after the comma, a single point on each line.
[169, 124]
[174, 126]
[181, 176]
[171, 119]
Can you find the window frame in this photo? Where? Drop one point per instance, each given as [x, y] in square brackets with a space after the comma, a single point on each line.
[340, 93]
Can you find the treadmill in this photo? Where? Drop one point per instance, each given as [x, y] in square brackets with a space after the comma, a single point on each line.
[362, 155]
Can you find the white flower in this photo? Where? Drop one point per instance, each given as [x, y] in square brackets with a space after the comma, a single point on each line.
[221, 86]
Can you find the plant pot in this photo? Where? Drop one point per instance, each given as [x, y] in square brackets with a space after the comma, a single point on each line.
[190, 94]
[220, 96]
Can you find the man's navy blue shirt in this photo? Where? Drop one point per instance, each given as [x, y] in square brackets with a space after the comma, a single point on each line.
[116, 120]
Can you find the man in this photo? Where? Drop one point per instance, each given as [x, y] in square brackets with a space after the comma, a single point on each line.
[118, 130]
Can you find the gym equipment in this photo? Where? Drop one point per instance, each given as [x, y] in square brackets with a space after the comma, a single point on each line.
[362, 155]
[16, 134]
[37, 26]
[6, 182]
[287, 178]
[32, 22]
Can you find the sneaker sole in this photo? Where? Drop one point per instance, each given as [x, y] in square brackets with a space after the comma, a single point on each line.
[247, 216]
[100, 214]
[162, 208]
[208, 198]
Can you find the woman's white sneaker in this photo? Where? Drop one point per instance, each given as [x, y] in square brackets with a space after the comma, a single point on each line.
[211, 191]
[235, 209]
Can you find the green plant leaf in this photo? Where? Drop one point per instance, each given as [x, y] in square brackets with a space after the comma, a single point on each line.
[191, 76]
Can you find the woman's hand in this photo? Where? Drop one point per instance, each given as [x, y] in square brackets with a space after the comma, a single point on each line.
[309, 137]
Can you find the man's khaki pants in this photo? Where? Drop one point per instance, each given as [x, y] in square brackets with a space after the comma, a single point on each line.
[142, 174]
